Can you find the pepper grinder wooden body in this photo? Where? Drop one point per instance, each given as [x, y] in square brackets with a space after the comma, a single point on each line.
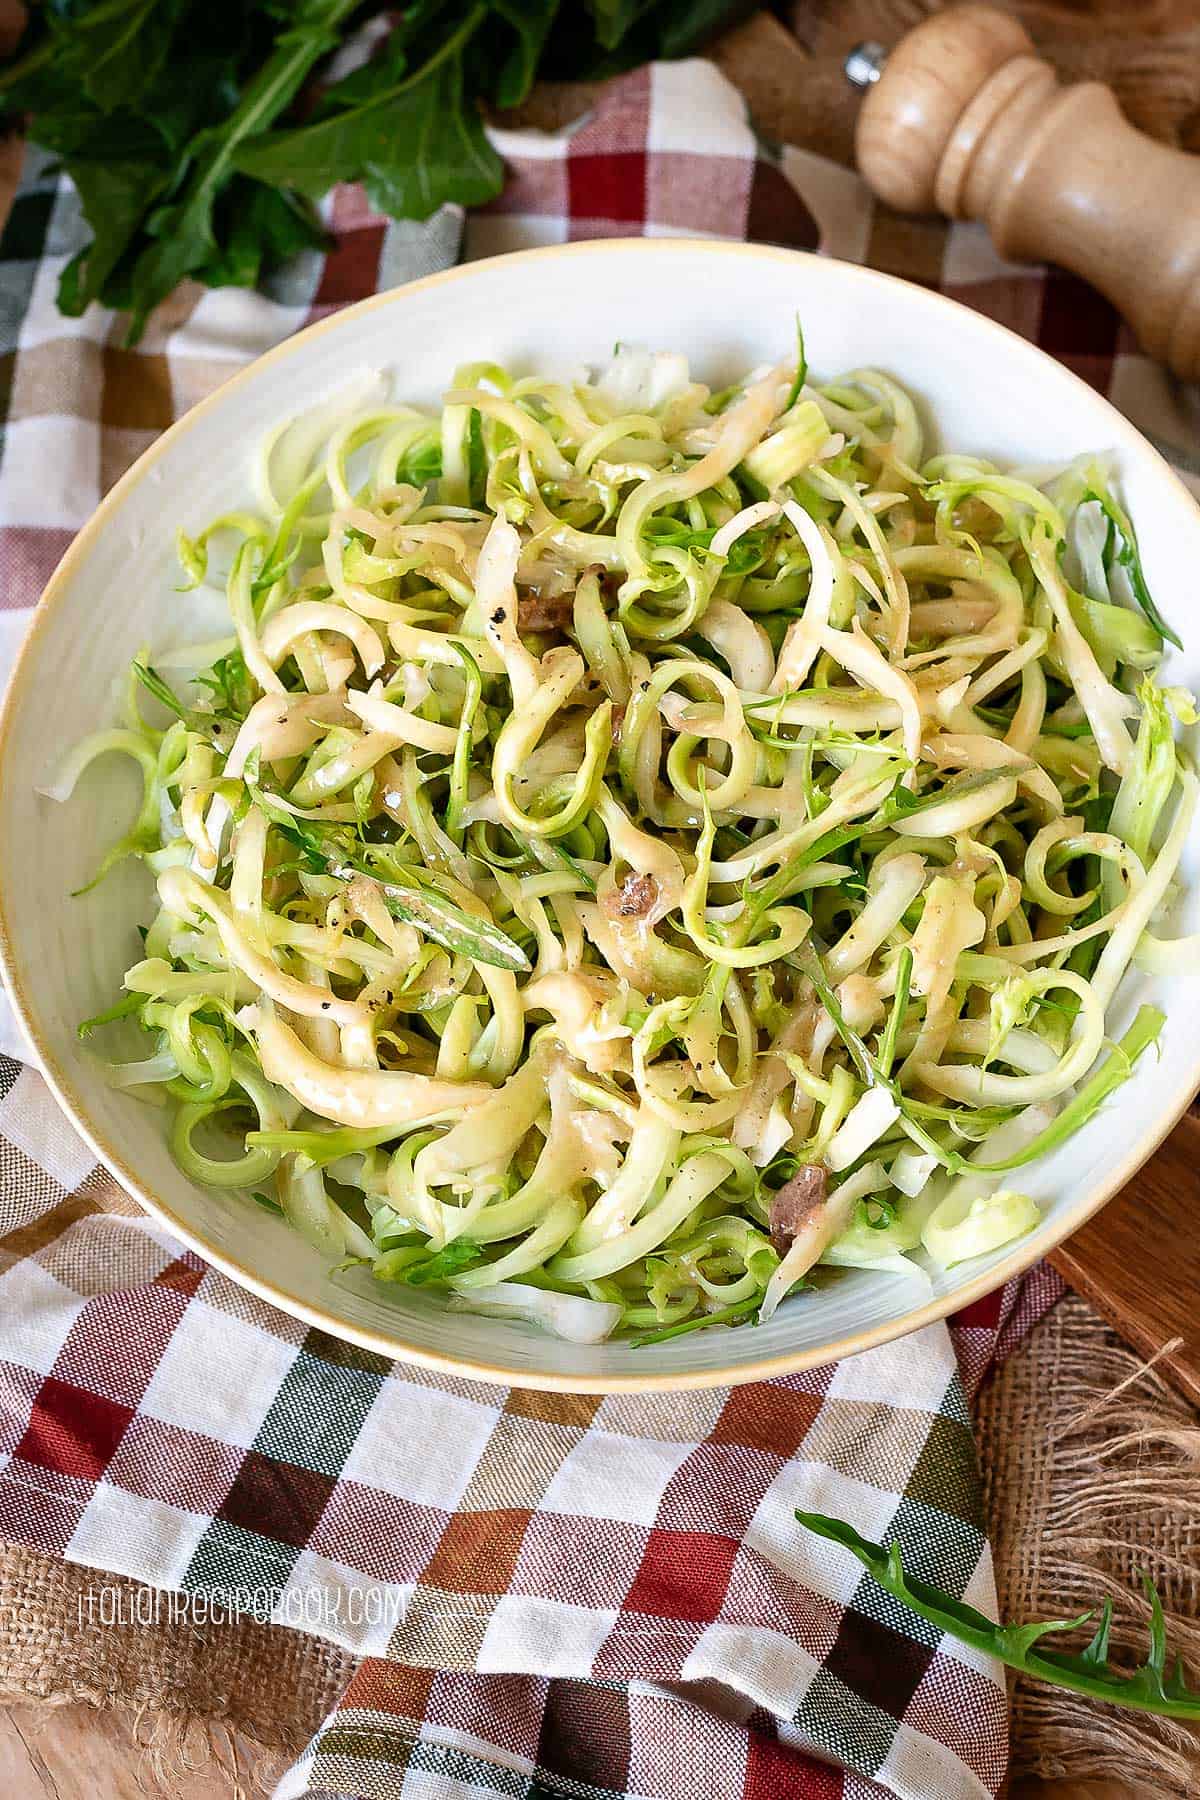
[967, 120]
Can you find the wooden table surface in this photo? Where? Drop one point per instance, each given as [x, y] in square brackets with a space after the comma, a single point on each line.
[77, 1753]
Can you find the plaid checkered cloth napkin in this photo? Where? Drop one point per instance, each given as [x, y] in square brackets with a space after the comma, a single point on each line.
[556, 1595]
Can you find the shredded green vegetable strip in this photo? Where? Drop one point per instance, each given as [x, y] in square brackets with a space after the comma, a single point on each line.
[637, 844]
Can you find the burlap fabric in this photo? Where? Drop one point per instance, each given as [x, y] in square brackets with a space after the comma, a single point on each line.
[1077, 1490]
[1084, 1488]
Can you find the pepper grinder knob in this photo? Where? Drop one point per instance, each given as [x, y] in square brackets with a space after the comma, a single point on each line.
[963, 117]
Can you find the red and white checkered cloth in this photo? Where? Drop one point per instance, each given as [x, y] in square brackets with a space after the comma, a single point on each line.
[557, 1595]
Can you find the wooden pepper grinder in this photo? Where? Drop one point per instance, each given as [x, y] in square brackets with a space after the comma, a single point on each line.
[963, 117]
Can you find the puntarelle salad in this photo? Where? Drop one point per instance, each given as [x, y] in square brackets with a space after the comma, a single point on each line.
[639, 846]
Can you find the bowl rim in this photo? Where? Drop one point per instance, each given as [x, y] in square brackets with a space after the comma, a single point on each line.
[1025, 1253]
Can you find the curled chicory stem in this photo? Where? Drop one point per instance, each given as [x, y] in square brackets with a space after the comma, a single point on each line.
[616, 798]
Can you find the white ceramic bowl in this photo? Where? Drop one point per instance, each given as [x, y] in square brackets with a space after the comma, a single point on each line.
[728, 307]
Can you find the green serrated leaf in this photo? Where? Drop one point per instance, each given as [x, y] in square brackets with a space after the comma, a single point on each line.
[1096, 1652]
[801, 375]
[329, 850]
[739, 1313]
[154, 684]
[126, 44]
[184, 232]
[123, 1008]
[166, 115]
[229, 684]
[1130, 559]
[1083, 1672]
[412, 1266]
[448, 925]
[114, 195]
[1156, 1660]
[529, 21]
[270, 225]
[413, 146]
[616, 18]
